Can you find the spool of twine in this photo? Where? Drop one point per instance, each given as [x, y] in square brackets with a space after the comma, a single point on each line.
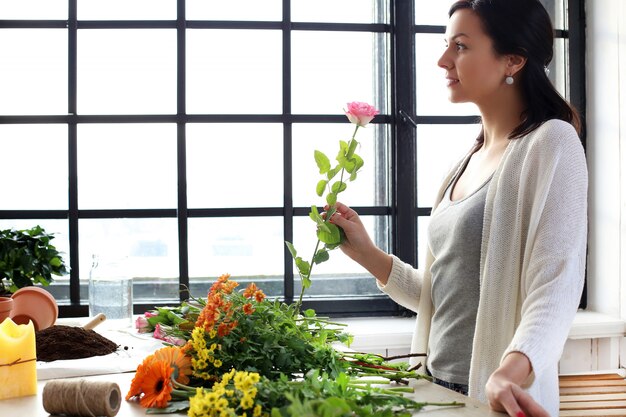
[82, 398]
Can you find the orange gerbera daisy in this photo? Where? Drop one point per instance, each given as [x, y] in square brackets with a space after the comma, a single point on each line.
[180, 363]
[157, 385]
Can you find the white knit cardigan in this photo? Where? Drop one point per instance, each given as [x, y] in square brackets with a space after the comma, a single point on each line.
[532, 263]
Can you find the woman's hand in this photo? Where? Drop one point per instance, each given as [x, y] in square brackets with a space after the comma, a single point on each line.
[359, 246]
[504, 392]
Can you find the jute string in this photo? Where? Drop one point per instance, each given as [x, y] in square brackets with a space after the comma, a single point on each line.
[82, 398]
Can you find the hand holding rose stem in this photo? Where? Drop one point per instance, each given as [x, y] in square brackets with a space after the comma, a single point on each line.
[348, 162]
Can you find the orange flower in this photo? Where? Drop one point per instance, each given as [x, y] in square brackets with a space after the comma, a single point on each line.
[223, 330]
[250, 290]
[154, 376]
[135, 385]
[259, 295]
[180, 363]
[157, 385]
[248, 309]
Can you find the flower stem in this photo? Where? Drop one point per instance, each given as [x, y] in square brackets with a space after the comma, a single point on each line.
[308, 277]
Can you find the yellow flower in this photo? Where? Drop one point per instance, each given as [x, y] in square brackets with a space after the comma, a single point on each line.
[247, 402]
[212, 334]
[198, 364]
[257, 411]
[217, 363]
[197, 338]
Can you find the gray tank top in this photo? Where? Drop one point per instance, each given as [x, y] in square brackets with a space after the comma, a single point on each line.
[454, 237]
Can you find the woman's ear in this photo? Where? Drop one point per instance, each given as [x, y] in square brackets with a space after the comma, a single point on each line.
[515, 63]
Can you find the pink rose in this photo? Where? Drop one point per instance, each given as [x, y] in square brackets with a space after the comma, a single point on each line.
[360, 113]
[142, 325]
[149, 314]
[173, 340]
[158, 332]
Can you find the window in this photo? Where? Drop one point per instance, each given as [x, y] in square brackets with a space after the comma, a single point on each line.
[179, 135]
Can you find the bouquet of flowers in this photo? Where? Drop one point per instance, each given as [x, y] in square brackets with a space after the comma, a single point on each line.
[237, 353]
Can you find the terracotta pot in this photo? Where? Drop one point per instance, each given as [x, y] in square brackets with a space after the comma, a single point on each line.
[6, 305]
[34, 304]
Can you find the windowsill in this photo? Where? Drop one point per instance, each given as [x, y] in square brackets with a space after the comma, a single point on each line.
[376, 333]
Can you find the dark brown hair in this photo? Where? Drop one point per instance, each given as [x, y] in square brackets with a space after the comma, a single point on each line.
[523, 27]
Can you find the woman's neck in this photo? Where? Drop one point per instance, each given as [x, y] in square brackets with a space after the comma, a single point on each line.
[499, 121]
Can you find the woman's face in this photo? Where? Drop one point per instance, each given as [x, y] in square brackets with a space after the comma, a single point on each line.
[473, 71]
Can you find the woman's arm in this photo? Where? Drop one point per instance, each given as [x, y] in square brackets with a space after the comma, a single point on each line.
[504, 391]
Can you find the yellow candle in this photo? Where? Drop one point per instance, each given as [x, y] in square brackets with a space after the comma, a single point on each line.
[18, 366]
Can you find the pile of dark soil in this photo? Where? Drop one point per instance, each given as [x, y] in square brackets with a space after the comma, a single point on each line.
[67, 342]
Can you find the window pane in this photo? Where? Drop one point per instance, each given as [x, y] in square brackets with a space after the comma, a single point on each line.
[33, 10]
[344, 11]
[127, 166]
[126, 71]
[126, 9]
[432, 13]
[439, 147]
[149, 247]
[430, 82]
[556, 10]
[34, 71]
[245, 247]
[234, 10]
[369, 188]
[34, 164]
[234, 71]
[340, 276]
[235, 165]
[327, 73]
[559, 69]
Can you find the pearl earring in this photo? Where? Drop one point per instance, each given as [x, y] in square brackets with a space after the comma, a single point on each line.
[509, 80]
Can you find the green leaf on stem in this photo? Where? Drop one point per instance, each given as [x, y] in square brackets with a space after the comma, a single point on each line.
[338, 186]
[333, 236]
[314, 214]
[292, 249]
[321, 256]
[322, 161]
[331, 173]
[331, 199]
[303, 267]
[306, 281]
[321, 186]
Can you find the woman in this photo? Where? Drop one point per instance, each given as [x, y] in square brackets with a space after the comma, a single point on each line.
[507, 237]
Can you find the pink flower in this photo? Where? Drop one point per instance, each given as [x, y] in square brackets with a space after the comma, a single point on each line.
[142, 325]
[360, 113]
[158, 332]
[173, 340]
[149, 314]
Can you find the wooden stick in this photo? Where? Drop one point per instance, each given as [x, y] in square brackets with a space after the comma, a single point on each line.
[95, 321]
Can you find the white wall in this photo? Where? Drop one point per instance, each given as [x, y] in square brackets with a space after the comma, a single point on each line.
[606, 151]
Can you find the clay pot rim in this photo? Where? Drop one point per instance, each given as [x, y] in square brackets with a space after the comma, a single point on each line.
[6, 304]
[44, 299]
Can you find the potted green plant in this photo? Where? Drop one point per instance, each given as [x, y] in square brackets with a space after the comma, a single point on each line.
[27, 258]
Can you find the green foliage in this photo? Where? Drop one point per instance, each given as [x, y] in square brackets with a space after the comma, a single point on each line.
[26, 258]
[348, 164]
[321, 395]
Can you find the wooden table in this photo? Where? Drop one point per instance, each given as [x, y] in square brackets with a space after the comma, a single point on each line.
[424, 391]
